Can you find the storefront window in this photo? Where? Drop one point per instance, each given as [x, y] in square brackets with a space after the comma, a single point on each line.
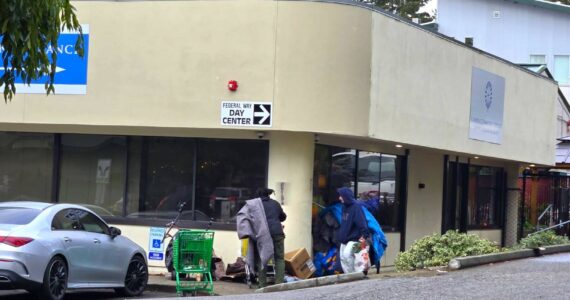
[388, 214]
[483, 196]
[92, 172]
[374, 178]
[228, 173]
[213, 178]
[26, 165]
[165, 174]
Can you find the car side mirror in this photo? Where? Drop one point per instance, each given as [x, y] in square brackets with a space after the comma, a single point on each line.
[114, 232]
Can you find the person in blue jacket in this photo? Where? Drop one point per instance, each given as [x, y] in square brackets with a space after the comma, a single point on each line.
[353, 226]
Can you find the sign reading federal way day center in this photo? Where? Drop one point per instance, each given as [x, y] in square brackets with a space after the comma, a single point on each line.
[246, 114]
[71, 69]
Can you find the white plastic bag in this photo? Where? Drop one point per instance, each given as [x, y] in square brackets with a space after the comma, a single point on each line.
[347, 257]
[362, 260]
[354, 262]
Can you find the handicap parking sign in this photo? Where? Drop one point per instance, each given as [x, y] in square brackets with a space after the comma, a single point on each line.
[155, 245]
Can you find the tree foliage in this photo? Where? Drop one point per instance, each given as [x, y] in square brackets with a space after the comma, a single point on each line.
[408, 9]
[28, 28]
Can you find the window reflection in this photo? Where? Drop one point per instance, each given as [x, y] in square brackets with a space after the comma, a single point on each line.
[376, 175]
[26, 161]
[228, 173]
[93, 172]
[166, 169]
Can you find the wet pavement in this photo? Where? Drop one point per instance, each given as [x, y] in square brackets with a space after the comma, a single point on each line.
[545, 277]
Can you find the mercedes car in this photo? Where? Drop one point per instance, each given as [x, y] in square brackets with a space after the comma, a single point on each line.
[48, 248]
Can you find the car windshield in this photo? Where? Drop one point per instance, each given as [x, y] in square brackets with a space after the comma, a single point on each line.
[17, 215]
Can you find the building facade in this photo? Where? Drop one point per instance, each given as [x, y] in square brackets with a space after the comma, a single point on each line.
[339, 94]
[527, 31]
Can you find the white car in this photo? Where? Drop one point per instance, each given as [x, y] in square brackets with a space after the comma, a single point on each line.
[49, 248]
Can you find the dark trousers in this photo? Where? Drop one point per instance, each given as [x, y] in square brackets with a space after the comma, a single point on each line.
[278, 260]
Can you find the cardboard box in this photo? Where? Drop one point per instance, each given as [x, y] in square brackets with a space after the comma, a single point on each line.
[299, 263]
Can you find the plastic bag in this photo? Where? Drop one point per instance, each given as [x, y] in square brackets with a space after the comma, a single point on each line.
[354, 257]
[362, 258]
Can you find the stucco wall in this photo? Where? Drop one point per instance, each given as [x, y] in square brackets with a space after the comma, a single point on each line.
[328, 68]
[491, 235]
[424, 205]
[421, 95]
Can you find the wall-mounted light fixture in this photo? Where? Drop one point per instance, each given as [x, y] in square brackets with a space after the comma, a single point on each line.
[532, 165]
[476, 157]
[399, 146]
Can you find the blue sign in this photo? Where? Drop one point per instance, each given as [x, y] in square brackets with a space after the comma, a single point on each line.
[71, 69]
[155, 245]
[155, 255]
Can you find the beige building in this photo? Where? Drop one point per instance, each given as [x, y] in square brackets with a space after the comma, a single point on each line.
[354, 97]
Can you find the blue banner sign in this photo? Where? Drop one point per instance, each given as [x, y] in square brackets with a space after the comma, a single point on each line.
[71, 69]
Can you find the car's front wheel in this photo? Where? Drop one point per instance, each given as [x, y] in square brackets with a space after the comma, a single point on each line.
[55, 280]
[136, 278]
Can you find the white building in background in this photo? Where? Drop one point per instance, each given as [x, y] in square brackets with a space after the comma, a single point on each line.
[522, 31]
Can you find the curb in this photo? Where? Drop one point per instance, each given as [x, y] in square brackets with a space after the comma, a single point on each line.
[471, 261]
[313, 282]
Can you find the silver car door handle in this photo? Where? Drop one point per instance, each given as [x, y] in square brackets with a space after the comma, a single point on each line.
[66, 239]
[96, 241]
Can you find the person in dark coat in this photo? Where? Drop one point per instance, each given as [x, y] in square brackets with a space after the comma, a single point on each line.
[353, 227]
[275, 215]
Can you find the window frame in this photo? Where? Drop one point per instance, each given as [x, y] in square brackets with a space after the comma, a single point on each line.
[97, 218]
[567, 83]
[499, 199]
[60, 212]
[399, 179]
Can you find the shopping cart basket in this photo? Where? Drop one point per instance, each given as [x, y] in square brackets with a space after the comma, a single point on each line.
[192, 254]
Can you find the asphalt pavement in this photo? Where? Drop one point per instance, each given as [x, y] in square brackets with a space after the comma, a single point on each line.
[546, 277]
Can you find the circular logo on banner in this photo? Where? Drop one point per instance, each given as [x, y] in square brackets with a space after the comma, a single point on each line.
[488, 95]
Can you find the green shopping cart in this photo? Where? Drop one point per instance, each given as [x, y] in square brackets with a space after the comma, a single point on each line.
[192, 254]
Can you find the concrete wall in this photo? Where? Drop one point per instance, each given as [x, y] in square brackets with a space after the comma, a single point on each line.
[291, 162]
[424, 205]
[328, 68]
[417, 78]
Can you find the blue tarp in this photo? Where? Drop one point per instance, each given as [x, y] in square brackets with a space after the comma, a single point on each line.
[379, 242]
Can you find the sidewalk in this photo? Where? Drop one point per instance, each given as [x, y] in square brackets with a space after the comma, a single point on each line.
[221, 288]
[226, 288]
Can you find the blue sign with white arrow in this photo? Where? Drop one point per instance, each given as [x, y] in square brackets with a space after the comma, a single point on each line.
[71, 69]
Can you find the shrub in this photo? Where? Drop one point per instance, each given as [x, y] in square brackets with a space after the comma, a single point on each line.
[438, 250]
[545, 238]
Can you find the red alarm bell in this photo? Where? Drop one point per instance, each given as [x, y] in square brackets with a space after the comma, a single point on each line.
[232, 85]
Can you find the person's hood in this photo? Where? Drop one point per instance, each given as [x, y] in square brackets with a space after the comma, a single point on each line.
[347, 195]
